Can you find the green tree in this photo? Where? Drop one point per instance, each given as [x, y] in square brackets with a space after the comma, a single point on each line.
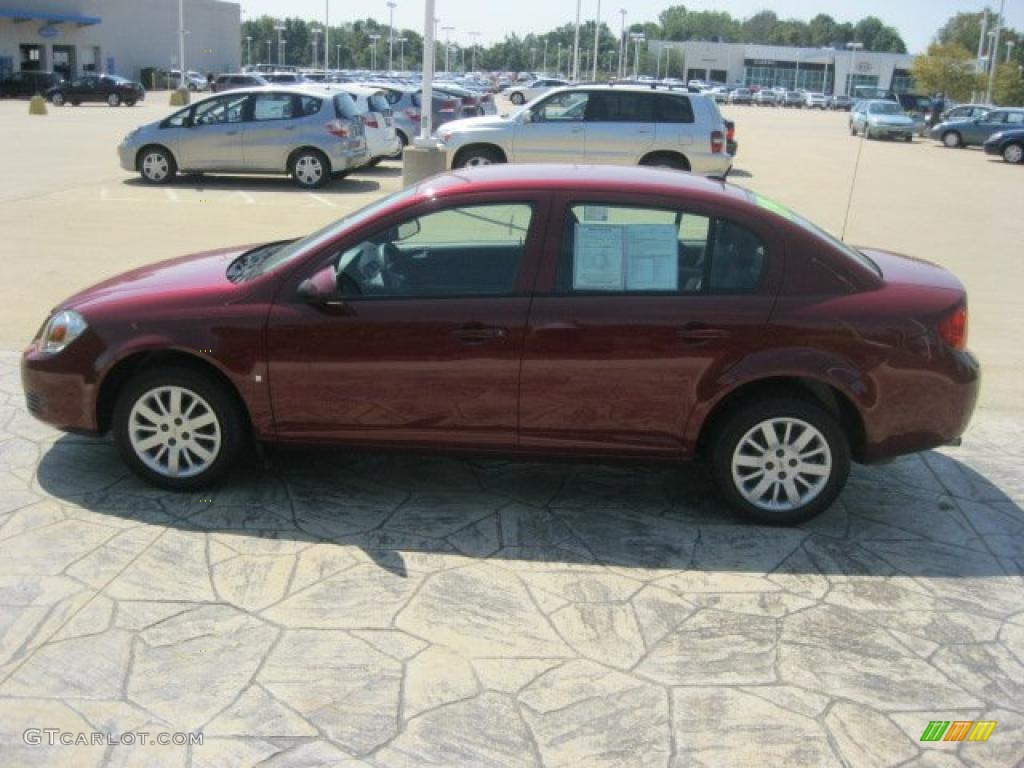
[949, 68]
[759, 27]
[822, 30]
[876, 36]
[1008, 88]
[963, 29]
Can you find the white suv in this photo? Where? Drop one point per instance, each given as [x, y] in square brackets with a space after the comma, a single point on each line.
[607, 125]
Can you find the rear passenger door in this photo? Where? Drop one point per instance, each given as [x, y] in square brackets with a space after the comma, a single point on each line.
[637, 307]
[620, 127]
[269, 134]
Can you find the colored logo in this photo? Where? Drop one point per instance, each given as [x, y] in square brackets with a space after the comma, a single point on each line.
[958, 730]
[48, 30]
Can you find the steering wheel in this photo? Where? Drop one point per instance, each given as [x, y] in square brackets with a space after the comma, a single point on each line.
[390, 259]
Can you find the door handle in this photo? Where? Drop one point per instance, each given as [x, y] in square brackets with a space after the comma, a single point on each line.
[475, 334]
[698, 333]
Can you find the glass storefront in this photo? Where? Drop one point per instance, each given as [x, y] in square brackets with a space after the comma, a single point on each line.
[810, 76]
[854, 81]
[902, 82]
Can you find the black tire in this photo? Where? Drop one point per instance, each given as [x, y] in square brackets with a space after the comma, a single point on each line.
[57, 99]
[475, 156]
[374, 162]
[76, 103]
[908, 139]
[1013, 153]
[231, 424]
[303, 168]
[156, 165]
[744, 421]
[114, 100]
[517, 98]
[665, 161]
[403, 143]
[129, 102]
[853, 129]
[952, 139]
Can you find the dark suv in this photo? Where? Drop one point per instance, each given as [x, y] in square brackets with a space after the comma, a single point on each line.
[111, 89]
[28, 83]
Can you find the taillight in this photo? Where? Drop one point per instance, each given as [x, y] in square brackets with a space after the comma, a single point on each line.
[953, 328]
[730, 132]
[337, 128]
[371, 121]
[447, 106]
[413, 114]
[717, 139]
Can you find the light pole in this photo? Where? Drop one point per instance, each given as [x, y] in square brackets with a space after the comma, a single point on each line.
[280, 44]
[436, 39]
[474, 36]
[854, 47]
[993, 53]
[327, 34]
[576, 45]
[544, 66]
[401, 54]
[337, 56]
[637, 38]
[533, 59]
[597, 39]
[447, 46]
[181, 42]
[373, 52]
[269, 44]
[315, 32]
[558, 59]
[391, 34]
[248, 49]
[620, 70]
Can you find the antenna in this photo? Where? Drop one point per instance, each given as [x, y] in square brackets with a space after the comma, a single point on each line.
[853, 182]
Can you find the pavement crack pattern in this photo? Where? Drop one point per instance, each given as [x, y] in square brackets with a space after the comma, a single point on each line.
[356, 609]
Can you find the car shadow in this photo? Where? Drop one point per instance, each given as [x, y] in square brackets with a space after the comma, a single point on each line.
[920, 516]
[739, 173]
[386, 171]
[205, 181]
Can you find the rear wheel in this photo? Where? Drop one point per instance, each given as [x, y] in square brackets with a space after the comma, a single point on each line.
[517, 98]
[908, 138]
[57, 99]
[666, 161]
[156, 165]
[178, 428]
[1013, 153]
[951, 139]
[129, 102]
[310, 169]
[477, 156]
[781, 461]
[114, 100]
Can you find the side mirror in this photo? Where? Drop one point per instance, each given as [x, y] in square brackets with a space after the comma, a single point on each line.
[321, 289]
[407, 229]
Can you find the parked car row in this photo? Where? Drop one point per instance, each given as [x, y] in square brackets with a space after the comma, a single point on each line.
[997, 129]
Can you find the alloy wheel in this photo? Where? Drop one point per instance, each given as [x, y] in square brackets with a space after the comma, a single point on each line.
[174, 432]
[1014, 153]
[781, 464]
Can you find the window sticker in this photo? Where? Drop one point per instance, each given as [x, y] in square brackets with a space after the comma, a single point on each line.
[598, 258]
[652, 257]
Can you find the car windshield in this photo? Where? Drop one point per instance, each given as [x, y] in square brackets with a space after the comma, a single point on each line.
[884, 108]
[289, 251]
[813, 229]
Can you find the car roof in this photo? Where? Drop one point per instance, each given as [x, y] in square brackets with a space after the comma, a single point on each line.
[599, 178]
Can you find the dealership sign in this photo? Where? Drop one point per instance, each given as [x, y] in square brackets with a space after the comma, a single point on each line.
[48, 30]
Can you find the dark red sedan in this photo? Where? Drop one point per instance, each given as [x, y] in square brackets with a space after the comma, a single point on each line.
[527, 309]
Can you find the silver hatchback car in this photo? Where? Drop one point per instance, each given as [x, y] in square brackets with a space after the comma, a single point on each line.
[310, 136]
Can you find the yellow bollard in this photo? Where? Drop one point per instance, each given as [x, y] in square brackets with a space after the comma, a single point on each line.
[37, 105]
[180, 97]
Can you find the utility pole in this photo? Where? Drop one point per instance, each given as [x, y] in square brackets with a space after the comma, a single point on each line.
[620, 70]
[315, 32]
[854, 47]
[637, 37]
[993, 54]
[401, 54]
[447, 47]
[373, 52]
[391, 35]
[597, 39]
[327, 34]
[474, 36]
[576, 45]
[280, 43]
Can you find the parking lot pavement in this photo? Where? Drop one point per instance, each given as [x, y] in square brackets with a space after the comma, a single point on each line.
[414, 611]
[418, 611]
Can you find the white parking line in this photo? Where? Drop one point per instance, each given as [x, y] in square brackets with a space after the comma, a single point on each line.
[172, 195]
[249, 199]
[321, 199]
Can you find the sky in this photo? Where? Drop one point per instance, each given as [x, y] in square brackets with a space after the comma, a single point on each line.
[916, 20]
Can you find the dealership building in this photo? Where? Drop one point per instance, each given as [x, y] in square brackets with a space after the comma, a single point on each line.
[119, 37]
[832, 70]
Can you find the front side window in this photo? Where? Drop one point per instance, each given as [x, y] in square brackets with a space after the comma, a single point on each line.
[1015, 118]
[562, 107]
[630, 249]
[227, 109]
[466, 251]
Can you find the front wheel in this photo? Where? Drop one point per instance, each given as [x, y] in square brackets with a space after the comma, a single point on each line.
[476, 157]
[157, 166]
[781, 461]
[177, 428]
[951, 139]
[310, 169]
[114, 100]
[1013, 153]
[518, 99]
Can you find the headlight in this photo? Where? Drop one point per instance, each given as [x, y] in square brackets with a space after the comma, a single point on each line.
[443, 136]
[60, 330]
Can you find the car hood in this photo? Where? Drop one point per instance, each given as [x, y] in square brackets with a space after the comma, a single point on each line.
[194, 280]
[890, 120]
[487, 122]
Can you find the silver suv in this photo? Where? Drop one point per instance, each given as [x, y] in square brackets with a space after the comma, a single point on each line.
[310, 136]
[607, 125]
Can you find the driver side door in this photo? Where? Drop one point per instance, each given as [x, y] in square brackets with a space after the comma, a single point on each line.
[555, 131]
[417, 339]
[212, 137]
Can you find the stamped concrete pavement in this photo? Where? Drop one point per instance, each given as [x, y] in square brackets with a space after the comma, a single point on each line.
[353, 609]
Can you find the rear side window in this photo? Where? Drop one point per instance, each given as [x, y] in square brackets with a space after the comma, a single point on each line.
[631, 249]
[633, 108]
[674, 109]
[272, 106]
[379, 103]
[344, 106]
[308, 105]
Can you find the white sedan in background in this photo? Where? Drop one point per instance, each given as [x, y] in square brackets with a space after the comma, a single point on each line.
[521, 94]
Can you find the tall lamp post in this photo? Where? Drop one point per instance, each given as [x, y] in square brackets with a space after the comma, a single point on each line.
[621, 70]
[544, 65]
[280, 43]
[854, 47]
[269, 44]
[373, 52]
[447, 46]
[637, 38]
[337, 57]
[401, 54]
[576, 45]
[327, 35]
[181, 43]
[315, 32]
[391, 34]
[993, 53]
[597, 39]
[248, 50]
[474, 36]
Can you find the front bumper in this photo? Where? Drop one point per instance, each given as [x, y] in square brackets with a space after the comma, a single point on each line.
[56, 390]
[992, 148]
[891, 131]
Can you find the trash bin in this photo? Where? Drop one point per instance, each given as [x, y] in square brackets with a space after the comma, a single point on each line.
[148, 77]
